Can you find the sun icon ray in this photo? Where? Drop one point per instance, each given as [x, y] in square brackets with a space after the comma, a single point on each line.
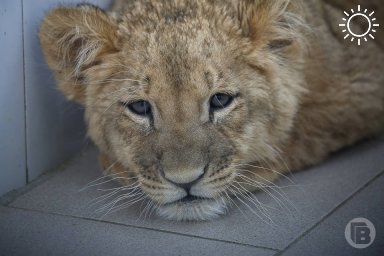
[371, 21]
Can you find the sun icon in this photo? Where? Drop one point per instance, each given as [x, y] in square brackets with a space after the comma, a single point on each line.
[364, 15]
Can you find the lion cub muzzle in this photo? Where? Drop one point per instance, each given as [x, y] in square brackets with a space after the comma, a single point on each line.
[184, 162]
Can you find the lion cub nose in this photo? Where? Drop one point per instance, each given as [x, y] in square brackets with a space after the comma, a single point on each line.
[183, 166]
[184, 178]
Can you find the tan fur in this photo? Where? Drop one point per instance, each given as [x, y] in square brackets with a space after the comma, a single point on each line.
[303, 92]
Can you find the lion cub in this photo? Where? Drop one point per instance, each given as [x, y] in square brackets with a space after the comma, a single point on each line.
[195, 101]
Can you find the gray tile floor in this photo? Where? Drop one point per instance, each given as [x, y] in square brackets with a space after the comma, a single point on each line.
[55, 215]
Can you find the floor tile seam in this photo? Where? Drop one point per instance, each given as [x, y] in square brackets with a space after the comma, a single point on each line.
[143, 228]
[330, 213]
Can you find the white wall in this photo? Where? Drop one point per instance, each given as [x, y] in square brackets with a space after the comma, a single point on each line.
[39, 129]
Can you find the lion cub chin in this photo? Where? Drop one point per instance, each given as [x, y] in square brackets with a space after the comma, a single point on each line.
[194, 210]
[192, 103]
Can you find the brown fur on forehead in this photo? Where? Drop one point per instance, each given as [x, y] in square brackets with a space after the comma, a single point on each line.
[184, 18]
[172, 63]
[167, 11]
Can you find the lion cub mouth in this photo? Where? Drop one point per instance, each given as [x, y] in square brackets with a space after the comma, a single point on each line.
[191, 199]
[190, 208]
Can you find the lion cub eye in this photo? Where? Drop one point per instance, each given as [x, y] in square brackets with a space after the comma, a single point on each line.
[141, 108]
[220, 101]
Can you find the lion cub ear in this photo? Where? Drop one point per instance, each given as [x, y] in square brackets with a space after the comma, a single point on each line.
[275, 24]
[73, 40]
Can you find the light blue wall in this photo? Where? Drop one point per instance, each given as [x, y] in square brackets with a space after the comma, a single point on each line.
[12, 115]
[39, 129]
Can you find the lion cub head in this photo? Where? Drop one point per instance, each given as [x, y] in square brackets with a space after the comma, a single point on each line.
[181, 94]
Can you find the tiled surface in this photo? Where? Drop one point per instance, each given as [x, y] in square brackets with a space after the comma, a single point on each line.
[36, 234]
[328, 237]
[316, 195]
[54, 126]
[12, 126]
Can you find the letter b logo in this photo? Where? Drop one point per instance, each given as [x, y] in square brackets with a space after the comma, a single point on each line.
[360, 233]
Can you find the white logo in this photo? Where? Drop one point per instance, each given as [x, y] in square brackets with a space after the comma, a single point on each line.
[371, 22]
[360, 233]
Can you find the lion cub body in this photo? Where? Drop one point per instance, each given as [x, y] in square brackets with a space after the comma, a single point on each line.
[300, 92]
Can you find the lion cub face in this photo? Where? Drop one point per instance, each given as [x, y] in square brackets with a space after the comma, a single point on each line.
[181, 100]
